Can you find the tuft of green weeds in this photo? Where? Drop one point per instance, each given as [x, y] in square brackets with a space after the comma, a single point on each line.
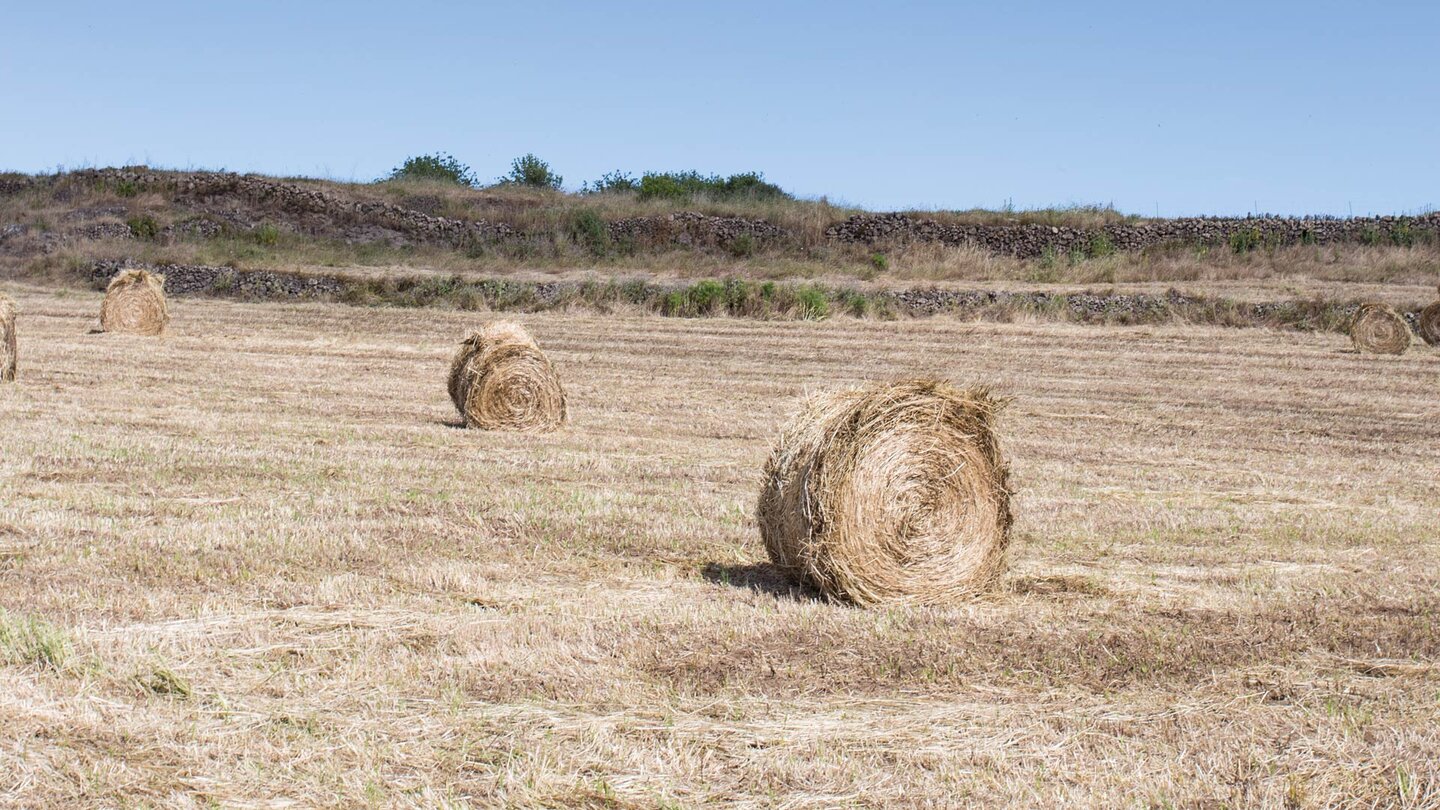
[26, 640]
[742, 246]
[1245, 240]
[266, 234]
[164, 681]
[812, 303]
[1100, 246]
[143, 227]
[589, 231]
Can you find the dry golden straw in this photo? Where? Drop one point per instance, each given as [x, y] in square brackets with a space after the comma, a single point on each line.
[135, 304]
[9, 351]
[894, 492]
[1378, 329]
[500, 380]
[1429, 325]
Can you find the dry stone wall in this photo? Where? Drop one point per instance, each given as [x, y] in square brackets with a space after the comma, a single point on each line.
[1026, 241]
[296, 199]
[369, 220]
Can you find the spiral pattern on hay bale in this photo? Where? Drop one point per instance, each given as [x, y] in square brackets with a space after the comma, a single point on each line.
[135, 304]
[1429, 324]
[501, 380]
[1379, 329]
[9, 344]
[896, 492]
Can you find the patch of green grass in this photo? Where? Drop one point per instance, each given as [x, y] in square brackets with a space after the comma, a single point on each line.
[26, 640]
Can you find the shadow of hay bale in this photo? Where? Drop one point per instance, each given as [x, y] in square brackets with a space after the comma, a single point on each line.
[761, 578]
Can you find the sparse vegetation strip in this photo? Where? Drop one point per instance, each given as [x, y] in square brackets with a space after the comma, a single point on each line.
[743, 298]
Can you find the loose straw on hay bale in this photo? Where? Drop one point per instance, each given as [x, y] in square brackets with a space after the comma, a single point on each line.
[135, 303]
[500, 380]
[1429, 325]
[895, 492]
[9, 350]
[1378, 329]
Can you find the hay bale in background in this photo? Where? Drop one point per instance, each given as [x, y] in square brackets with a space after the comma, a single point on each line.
[1378, 329]
[895, 492]
[9, 349]
[1429, 324]
[500, 380]
[135, 304]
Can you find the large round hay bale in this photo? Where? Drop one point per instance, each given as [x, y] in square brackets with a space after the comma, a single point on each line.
[135, 304]
[1429, 324]
[1378, 329]
[500, 380]
[894, 492]
[9, 348]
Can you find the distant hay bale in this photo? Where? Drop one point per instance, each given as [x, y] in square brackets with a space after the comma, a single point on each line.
[135, 304]
[500, 380]
[1429, 325]
[9, 349]
[894, 492]
[1378, 329]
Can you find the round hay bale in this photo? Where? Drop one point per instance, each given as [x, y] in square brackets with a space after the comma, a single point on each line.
[135, 304]
[500, 380]
[896, 492]
[1429, 324]
[1378, 329]
[9, 349]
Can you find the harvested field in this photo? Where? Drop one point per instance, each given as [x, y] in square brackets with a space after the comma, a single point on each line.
[1224, 585]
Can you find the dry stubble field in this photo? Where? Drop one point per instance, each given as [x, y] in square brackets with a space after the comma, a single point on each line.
[256, 563]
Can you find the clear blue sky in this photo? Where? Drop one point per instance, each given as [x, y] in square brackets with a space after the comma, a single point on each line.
[1218, 108]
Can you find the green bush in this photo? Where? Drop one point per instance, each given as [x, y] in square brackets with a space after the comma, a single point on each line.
[687, 185]
[855, 302]
[812, 303]
[1246, 240]
[879, 262]
[438, 166]
[1402, 234]
[706, 296]
[143, 227]
[266, 234]
[528, 170]
[1100, 246]
[742, 246]
[588, 229]
[613, 182]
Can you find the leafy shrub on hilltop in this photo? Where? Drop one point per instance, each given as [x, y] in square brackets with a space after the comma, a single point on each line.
[611, 182]
[686, 185]
[438, 166]
[528, 170]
